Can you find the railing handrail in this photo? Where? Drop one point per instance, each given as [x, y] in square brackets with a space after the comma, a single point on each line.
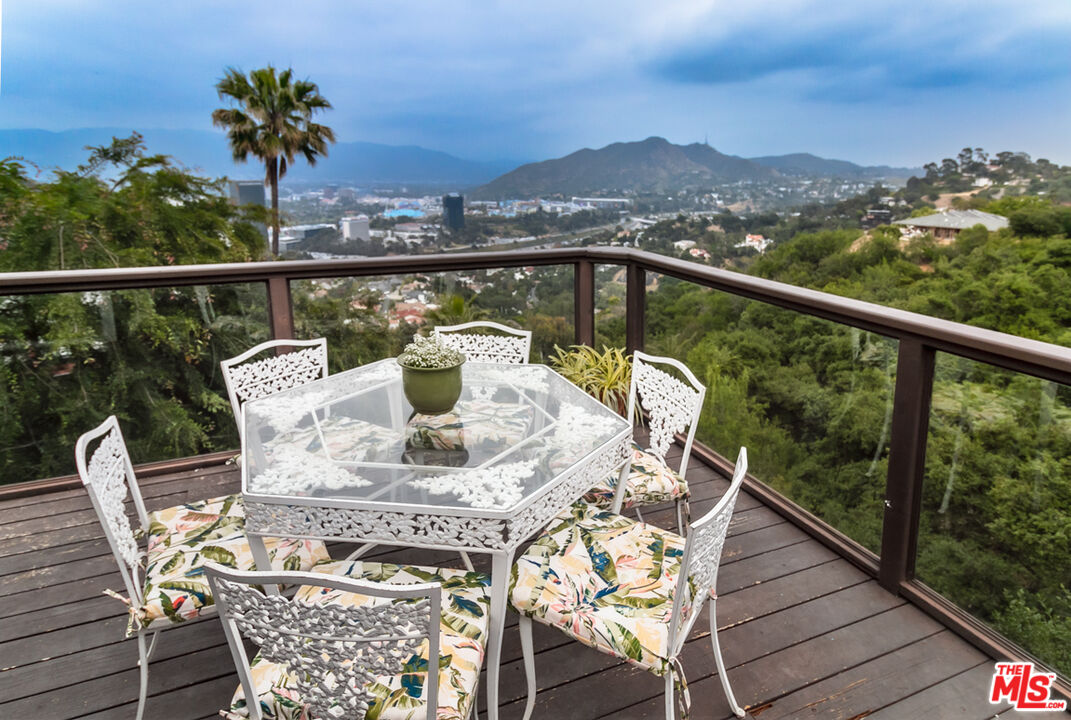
[1052, 362]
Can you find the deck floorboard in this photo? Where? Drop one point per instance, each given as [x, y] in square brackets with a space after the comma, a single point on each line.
[804, 632]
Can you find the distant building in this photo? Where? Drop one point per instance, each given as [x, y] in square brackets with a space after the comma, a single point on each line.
[683, 245]
[248, 192]
[755, 242]
[875, 217]
[453, 211]
[355, 228]
[950, 223]
[602, 203]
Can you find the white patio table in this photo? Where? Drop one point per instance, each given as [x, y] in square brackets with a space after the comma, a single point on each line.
[345, 458]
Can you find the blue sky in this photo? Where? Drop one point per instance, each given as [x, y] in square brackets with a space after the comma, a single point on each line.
[874, 82]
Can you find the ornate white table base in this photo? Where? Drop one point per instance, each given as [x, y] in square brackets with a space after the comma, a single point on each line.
[493, 532]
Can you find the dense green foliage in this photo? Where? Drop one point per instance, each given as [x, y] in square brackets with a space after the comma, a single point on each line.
[149, 356]
[813, 401]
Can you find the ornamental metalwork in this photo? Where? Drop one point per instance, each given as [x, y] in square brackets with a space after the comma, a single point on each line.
[107, 478]
[489, 348]
[670, 403]
[333, 651]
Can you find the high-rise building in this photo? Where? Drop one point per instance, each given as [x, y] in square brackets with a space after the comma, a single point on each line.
[355, 228]
[453, 211]
[248, 192]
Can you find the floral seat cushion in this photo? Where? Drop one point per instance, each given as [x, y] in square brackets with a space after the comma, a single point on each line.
[471, 423]
[650, 482]
[182, 537]
[344, 438]
[462, 636]
[605, 580]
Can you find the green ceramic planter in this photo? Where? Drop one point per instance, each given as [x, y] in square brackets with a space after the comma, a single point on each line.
[432, 391]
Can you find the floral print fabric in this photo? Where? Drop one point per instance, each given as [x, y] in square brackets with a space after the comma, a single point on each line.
[183, 537]
[463, 633]
[605, 580]
[650, 482]
[471, 423]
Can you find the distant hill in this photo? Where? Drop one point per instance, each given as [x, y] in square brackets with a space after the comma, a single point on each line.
[807, 165]
[207, 152]
[651, 165]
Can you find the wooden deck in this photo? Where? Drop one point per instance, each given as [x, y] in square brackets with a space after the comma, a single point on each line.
[804, 633]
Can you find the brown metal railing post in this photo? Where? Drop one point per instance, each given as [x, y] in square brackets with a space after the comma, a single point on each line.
[280, 307]
[635, 306]
[907, 463]
[584, 302]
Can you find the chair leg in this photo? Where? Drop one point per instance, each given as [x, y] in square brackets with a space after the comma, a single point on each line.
[152, 645]
[360, 551]
[670, 697]
[639, 515]
[467, 561]
[680, 519]
[528, 651]
[737, 710]
[143, 667]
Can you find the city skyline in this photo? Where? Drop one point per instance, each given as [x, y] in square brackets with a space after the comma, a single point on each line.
[898, 84]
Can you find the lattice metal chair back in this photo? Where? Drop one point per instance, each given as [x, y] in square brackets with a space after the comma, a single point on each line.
[512, 347]
[334, 651]
[672, 405]
[702, 556]
[251, 379]
[108, 476]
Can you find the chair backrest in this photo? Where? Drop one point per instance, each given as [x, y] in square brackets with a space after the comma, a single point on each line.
[698, 577]
[672, 405]
[511, 347]
[332, 648]
[251, 379]
[108, 476]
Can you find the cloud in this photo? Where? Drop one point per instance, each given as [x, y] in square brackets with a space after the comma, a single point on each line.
[876, 52]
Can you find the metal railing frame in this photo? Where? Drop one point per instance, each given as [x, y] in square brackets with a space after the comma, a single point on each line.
[919, 338]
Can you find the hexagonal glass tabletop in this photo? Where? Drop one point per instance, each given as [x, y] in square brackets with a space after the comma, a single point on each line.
[353, 436]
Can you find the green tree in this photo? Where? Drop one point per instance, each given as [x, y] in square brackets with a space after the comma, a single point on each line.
[273, 123]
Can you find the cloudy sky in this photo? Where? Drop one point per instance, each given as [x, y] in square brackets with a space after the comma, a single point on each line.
[897, 83]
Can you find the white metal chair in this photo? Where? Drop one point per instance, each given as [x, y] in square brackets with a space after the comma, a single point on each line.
[672, 406]
[163, 583]
[513, 346]
[251, 379]
[345, 647]
[606, 580]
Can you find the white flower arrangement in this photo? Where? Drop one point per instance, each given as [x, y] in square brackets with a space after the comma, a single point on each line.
[429, 353]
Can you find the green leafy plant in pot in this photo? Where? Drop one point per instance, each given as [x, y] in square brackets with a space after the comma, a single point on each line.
[431, 375]
[605, 376]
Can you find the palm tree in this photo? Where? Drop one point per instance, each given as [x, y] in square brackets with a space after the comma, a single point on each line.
[273, 123]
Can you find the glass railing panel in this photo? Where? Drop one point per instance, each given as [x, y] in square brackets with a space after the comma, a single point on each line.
[151, 357]
[995, 531]
[811, 399]
[610, 291]
[371, 318]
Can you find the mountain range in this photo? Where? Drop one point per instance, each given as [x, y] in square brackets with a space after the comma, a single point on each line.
[651, 165]
[207, 153]
[656, 165]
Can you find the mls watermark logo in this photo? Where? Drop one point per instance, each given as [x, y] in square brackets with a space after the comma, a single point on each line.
[1017, 683]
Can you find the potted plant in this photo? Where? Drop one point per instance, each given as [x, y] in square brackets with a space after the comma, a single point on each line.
[605, 376]
[431, 375]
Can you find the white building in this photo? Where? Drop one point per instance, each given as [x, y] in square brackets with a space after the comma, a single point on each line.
[355, 228]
